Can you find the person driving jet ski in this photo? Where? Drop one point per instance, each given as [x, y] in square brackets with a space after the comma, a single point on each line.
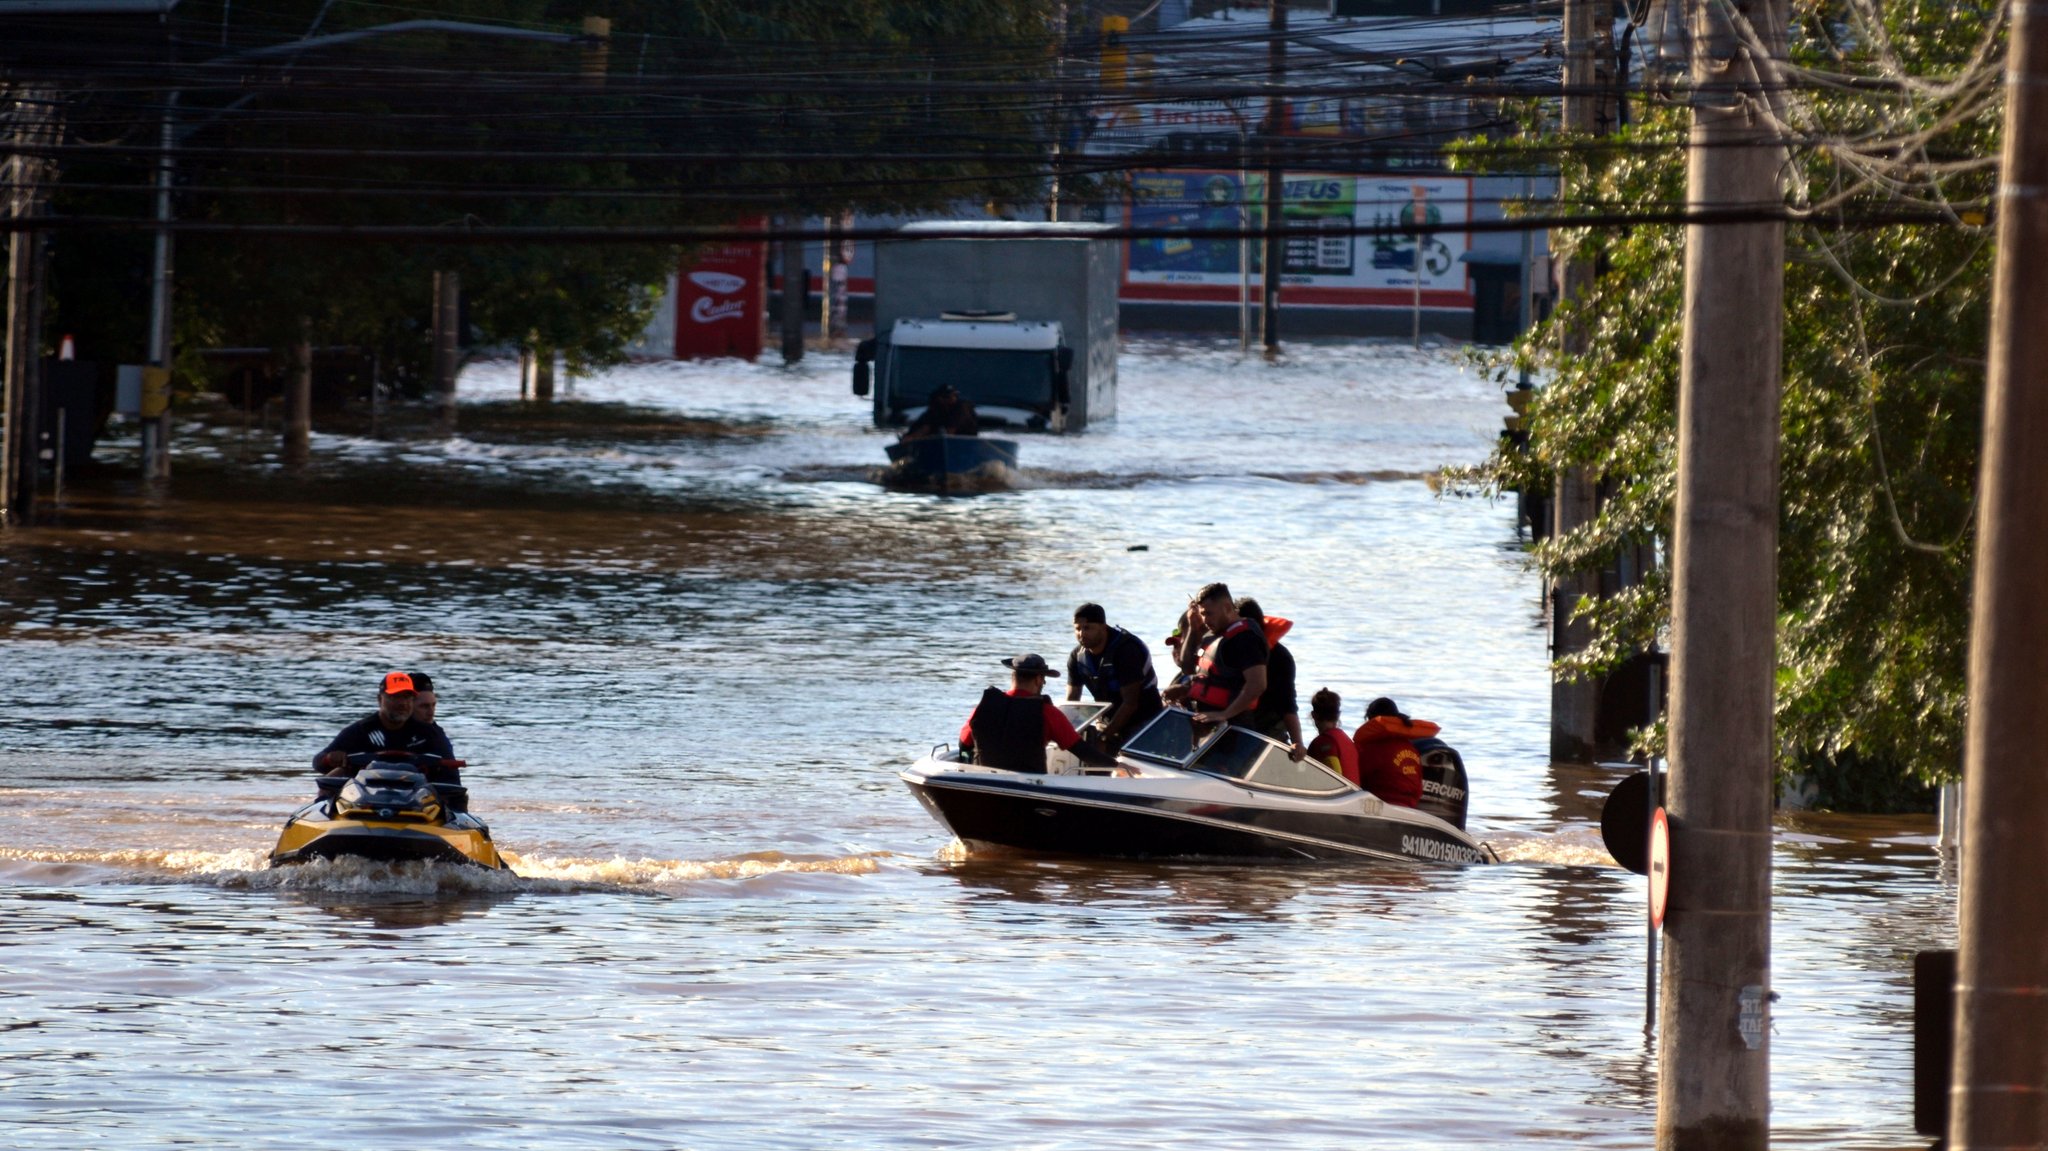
[390, 732]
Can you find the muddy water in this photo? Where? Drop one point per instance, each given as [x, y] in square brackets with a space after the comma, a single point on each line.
[684, 654]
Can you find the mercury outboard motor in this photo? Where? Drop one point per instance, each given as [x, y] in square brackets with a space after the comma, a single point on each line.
[1445, 793]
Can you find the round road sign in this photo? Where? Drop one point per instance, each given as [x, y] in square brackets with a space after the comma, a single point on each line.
[1660, 866]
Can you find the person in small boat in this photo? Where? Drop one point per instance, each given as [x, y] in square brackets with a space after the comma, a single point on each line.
[1231, 671]
[1332, 746]
[1388, 764]
[1277, 714]
[391, 728]
[1010, 729]
[944, 413]
[1116, 669]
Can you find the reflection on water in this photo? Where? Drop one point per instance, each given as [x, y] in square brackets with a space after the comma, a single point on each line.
[685, 645]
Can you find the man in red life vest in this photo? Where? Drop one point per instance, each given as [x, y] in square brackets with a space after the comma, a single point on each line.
[1231, 673]
[1388, 764]
[1331, 745]
[1009, 729]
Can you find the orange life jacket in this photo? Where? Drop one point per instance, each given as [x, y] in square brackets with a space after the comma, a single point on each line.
[1213, 685]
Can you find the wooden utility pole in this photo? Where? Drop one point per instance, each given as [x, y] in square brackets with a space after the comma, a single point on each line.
[447, 341]
[298, 400]
[1276, 127]
[1713, 1067]
[1999, 1091]
[794, 297]
[1574, 704]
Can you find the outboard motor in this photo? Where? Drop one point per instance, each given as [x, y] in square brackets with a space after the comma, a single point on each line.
[388, 793]
[1445, 793]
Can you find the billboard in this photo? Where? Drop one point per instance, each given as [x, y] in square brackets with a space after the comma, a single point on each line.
[1323, 260]
[721, 303]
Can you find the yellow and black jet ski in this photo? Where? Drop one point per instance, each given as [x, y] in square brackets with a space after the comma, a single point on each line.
[388, 812]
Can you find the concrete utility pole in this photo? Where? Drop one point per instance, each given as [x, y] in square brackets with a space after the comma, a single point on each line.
[1274, 128]
[1713, 1067]
[794, 297]
[1574, 704]
[447, 341]
[298, 400]
[1999, 1091]
[1276, 125]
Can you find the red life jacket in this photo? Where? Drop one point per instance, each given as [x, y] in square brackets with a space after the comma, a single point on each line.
[1213, 685]
[1388, 764]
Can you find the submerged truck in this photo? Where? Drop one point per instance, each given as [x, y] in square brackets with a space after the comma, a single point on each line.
[1022, 322]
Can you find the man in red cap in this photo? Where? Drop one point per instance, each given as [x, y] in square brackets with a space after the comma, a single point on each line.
[1010, 729]
[391, 728]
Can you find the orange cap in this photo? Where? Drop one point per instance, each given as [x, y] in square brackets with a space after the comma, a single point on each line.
[397, 681]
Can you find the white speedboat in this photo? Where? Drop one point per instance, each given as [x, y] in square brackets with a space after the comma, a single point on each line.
[1178, 790]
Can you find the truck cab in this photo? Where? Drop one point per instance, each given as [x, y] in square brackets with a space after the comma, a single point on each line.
[1013, 371]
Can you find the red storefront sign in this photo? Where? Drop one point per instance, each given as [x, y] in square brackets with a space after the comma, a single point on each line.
[721, 301]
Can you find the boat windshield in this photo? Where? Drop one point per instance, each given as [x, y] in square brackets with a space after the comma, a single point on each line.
[1248, 756]
[1169, 739]
[1080, 711]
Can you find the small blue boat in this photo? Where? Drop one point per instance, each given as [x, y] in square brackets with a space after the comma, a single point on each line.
[953, 463]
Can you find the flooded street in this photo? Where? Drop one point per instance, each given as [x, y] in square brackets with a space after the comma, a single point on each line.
[685, 660]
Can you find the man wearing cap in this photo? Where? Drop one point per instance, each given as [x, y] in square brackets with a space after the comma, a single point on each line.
[390, 728]
[1010, 729]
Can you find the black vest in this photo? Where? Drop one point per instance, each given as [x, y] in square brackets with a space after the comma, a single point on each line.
[1009, 731]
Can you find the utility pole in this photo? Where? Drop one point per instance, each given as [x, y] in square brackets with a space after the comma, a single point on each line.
[447, 342]
[1713, 1066]
[1276, 125]
[794, 297]
[156, 405]
[1574, 704]
[1998, 1095]
[298, 400]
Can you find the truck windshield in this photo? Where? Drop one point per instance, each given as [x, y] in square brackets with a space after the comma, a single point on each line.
[985, 377]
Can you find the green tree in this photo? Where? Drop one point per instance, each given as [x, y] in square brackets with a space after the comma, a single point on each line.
[1885, 330]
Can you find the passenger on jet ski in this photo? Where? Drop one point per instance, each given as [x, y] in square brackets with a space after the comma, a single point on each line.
[1388, 764]
[390, 732]
[1009, 729]
[1231, 673]
[1116, 669]
[1277, 714]
[425, 702]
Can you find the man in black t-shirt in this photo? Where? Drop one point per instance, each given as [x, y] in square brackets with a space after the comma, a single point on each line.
[1116, 669]
[1278, 712]
[391, 728]
[1231, 674]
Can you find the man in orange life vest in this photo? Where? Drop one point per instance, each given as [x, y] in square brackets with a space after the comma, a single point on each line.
[1232, 670]
[1388, 764]
[1009, 729]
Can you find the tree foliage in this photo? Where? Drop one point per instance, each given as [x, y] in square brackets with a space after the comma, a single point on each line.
[1885, 331]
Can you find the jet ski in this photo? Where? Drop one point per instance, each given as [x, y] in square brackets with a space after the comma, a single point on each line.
[1182, 789]
[388, 811]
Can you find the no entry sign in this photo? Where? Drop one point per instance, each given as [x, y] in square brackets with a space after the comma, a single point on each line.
[1660, 865]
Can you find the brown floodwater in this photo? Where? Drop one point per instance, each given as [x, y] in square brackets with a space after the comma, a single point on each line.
[685, 644]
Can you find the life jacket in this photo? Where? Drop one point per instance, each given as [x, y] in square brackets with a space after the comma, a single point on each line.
[1009, 731]
[1276, 627]
[1388, 764]
[1215, 685]
[1099, 671]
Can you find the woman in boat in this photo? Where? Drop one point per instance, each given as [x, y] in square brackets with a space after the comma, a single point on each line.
[1332, 746]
